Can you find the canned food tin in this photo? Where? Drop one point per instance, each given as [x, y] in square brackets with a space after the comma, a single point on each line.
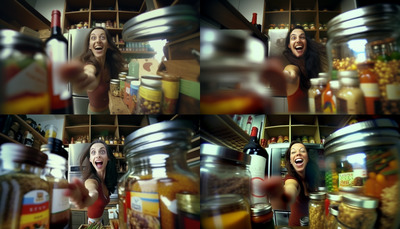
[23, 67]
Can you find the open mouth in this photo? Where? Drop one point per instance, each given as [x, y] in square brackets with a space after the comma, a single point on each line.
[99, 164]
[299, 47]
[299, 161]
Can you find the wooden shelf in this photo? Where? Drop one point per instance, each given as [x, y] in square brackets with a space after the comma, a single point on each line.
[138, 52]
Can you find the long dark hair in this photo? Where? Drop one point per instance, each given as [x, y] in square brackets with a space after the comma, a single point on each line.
[311, 63]
[89, 172]
[311, 175]
[114, 59]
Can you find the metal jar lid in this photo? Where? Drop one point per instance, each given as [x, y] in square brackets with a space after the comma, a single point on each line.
[365, 19]
[130, 78]
[317, 195]
[11, 152]
[11, 37]
[189, 203]
[334, 210]
[166, 134]
[151, 80]
[260, 209]
[334, 196]
[360, 201]
[54, 159]
[114, 81]
[349, 81]
[347, 74]
[221, 152]
[223, 202]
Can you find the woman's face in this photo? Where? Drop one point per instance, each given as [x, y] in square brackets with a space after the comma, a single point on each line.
[98, 43]
[298, 157]
[98, 156]
[298, 43]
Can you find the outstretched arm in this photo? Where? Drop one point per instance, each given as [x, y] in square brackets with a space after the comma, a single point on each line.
[82, 195]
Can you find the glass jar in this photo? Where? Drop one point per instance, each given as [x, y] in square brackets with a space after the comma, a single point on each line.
[134, 93]
[23, 64]
[224, 171]
[368, 34]
[122, 79]
[262, 216]
[188, 210]
[316, 208]
[318, 86]
[170, 86]
[54, 174]
[364, 156]
[156, 156]
[149, 95]
[25, 196]
[350, 98]
[114, 87]
[334, 199]
[358, 211]
[228, 211]
[127, 88]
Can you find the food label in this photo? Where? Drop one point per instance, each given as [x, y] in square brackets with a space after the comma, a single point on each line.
[311, 104]
[171, 89]
[370, 89]
[149, 94]
[393, 91]
[143, 209]
[35, 210]
[57, 52]
[257, 170]
[346, 179]
[60, 202]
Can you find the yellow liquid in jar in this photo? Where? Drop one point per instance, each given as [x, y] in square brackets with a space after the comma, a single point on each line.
[231, 220]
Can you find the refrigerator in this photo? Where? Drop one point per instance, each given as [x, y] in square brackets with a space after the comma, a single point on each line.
[276, 41]
[276, 167]
[76, 44]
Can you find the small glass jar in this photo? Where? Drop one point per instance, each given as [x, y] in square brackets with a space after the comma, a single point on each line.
[127, 88]
[149, 95]
[358, 211]
[350, 98]
[170, 86]
[114, 87]
[228, 211]
[262, 216]
[23, 70]
[134, 93]
[368, 34]
[54, 174]
[224, 171]
[188, 210]
[24, 193]
[156, 156]
[316, 208]
[318, 86]
[122, 79]
[332, 204]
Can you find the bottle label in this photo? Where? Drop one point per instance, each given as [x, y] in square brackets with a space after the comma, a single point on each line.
[149, 94]
[393, 91]
[57, 52]
[311, 104]
[60, 202]
[35, 210]
[370, 89]
[257, 170]
[143, 206]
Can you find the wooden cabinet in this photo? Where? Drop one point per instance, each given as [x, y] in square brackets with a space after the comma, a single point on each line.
[284, 14]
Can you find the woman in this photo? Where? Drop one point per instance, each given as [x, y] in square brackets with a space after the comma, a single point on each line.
[302, 178]
[102, 61]
[99, 174]
[304, 60]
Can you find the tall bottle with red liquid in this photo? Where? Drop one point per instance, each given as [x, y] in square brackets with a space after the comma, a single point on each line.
[56, 50]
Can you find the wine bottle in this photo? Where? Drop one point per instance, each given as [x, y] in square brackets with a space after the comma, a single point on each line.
[254, 21]
[56, 50]
[258, 167]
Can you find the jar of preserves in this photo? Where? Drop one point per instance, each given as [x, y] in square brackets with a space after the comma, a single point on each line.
[358, 211]
[188, 210]
[350, 98]
[170, 86]
[331, 206]
[364, 35]
[228, 211]
[224, 171]
[149, 95]
[262, 216]
[280, 139]
[25, 196]
[114, 87]
[364, 159]
[369, 86]
[318, 86]
[122, 79]
[54, 174]
[159, 171]
[24, 79]
[316, 208]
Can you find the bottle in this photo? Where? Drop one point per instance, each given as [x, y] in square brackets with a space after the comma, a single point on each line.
[56, 50]
[329, 97]
[369, 86]
[318, 86]
[350, 97]
[257, 167]
[254, 21]
[249, 124]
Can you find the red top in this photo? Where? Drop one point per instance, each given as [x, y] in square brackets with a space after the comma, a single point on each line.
[298, 101]
[300, 207]
[96, 210]
[98, 98]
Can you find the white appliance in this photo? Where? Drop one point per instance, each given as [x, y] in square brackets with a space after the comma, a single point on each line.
[276, 41]
[76, 45]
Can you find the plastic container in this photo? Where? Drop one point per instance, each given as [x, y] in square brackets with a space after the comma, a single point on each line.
[369, 34]
[262, 216]
[316, 208]
[224, 171]
[363, 158]
[358, 211]
[24, 194]
[156, 157]
[228, 211]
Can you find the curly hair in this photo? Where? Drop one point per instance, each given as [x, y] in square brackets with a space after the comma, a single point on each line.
[311, 63]
[89, 172]
[114, 59]
[312, 171]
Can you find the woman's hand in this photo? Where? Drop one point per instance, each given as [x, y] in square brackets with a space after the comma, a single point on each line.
[81, 76]
[292, 73]
[275, 190]
[78, 193]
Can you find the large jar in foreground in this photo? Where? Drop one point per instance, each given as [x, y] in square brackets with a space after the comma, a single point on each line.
[24, 196]
[368, 39]
[157, 155]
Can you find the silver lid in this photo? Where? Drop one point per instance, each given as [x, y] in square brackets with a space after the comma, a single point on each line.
[349, 82]
[323, 75]
[132, 77]
[334, 84]
[334, 210]
[219, 202]
[12, 152]
[360, 201]
[11, 37]
[347, 74]
[260, 209]
[317, 195]
[318, 81]
[224, 153]
[334, 196]
[151, 80]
